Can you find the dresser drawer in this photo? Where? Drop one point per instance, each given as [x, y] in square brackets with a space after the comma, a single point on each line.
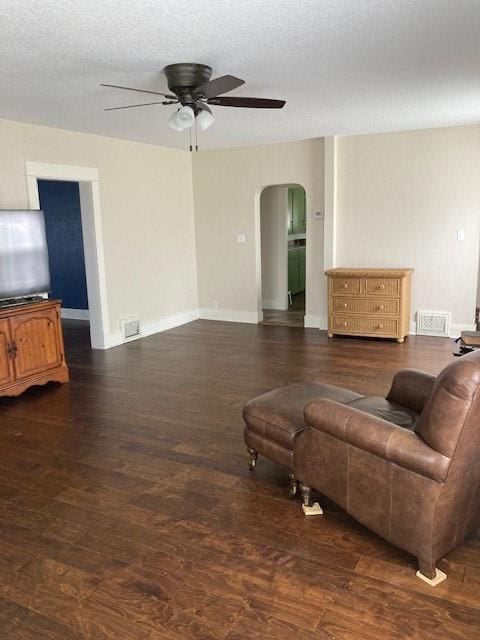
[346, 285]
[355, 324]
[367, 306]
[382, 286]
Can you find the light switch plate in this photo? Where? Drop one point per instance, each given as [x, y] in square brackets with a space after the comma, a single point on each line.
[318, 215]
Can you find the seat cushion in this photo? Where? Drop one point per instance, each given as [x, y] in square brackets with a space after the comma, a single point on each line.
[278, 414]
[389, 411]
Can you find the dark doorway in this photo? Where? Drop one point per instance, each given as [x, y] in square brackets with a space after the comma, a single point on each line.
[60, 202]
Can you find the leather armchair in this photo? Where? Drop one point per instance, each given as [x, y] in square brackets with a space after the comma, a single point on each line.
[418, 488]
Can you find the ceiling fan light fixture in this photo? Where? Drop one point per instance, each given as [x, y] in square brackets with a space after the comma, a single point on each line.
[205, 119]
[185, 117]
[174, 123]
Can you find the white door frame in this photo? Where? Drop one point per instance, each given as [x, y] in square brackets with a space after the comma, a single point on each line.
[87, 177]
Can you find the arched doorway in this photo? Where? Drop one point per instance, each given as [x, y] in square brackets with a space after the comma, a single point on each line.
[283, 232]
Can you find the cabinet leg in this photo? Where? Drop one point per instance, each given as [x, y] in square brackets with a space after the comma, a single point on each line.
[400, 340]
[330, 334]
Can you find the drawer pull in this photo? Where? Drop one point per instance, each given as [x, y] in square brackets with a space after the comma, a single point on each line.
[345, 324]
[345, 305]
[382, 286]
[345, 285]
[380, 326]
[381, 307]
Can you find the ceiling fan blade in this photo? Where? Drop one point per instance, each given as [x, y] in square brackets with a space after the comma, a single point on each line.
[144, 104]
[156, 93]
[252, 103]
[220, 85]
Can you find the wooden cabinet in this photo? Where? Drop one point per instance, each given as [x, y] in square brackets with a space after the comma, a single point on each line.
[296, 270]
[6, 369]
[31, 347]
[369, 302]
[297, 210]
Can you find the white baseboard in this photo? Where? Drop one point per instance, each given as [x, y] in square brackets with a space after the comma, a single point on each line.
[454, 331]
[227, 315]
[314, 321]
[156, 326]
[75, 314]
[230, 315]
[277, 305]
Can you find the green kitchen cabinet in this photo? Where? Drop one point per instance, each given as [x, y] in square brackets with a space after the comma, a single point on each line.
[296, 270]
[302, 268]
[293, 271]
[290, 211]
[297, 210]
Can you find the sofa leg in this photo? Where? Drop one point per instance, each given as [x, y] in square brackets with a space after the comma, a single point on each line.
[429, 573]
[306, 493]
[253, 459]
[292, 491]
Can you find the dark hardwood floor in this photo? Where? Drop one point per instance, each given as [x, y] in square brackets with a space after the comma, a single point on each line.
[127, 511]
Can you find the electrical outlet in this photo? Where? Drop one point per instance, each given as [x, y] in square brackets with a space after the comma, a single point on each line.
[461, 235]
[215, 304]
[241, 238]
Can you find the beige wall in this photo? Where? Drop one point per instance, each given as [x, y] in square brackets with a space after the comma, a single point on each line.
[401, 198]
[390, 200]
[274, 232]
[227, 186]
[147, 213]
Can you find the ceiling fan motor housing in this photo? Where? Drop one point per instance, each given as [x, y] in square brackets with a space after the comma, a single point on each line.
[185, 77]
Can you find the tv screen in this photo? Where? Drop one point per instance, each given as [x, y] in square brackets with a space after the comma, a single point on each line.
[23, 254]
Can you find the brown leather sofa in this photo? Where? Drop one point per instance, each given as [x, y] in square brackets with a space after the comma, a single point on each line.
[416, 485]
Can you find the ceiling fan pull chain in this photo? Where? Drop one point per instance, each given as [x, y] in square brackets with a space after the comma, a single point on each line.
[196, 135]
[190, 138]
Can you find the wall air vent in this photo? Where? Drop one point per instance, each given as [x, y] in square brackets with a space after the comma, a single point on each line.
[433, 323]
[130, 328]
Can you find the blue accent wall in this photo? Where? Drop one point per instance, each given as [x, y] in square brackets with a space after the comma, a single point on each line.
[60, 202]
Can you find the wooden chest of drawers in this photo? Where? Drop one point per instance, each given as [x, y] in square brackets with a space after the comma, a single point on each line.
[369, 302]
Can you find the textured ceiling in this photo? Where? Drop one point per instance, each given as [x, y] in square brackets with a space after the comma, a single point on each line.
[344, 66]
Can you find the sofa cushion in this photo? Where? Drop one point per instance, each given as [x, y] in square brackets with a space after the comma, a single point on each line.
[389, 411]
[278, 414]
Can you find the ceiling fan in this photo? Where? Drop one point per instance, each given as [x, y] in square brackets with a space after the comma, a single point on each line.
[192, 88]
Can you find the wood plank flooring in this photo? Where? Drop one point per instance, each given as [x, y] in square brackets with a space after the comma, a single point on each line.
[127, 511]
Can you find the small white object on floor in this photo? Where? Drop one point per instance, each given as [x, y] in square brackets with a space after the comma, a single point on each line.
[314, 510]
[439, 577]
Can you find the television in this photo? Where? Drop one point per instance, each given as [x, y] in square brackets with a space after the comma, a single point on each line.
[24, 269]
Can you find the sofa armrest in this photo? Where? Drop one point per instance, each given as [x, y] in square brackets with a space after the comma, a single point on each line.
[411, 388]
[379, 437]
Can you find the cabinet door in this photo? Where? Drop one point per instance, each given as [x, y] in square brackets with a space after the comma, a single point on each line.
[301, 256]
[298, 210]
[290, 211]
[296, 225]
[6, 369]
[293, 271]
[37, 341]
